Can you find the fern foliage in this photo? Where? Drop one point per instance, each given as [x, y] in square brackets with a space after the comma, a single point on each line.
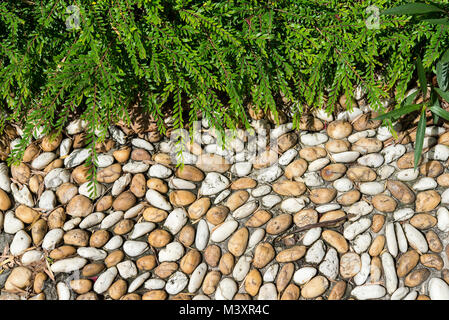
[95, 59]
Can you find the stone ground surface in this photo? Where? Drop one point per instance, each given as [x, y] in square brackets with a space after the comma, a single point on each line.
[368, 225]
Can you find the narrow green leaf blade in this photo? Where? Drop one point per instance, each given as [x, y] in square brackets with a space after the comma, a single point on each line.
[420, 137]
[413, 8]
[408, 101]
[445, 57]
[440, 112]
[421, 76]
[398, 112]
[442, 73]
[441, 21]
[443, 94]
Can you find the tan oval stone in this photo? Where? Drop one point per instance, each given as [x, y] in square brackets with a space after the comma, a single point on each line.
[322, 195]
[431, 169]
[406, 263]
[434, 241]
[226, 264]
[62, 252]
[156, 215]
[31, 152]
[416, 277]
[292, 292]
[162, 158]
[104, 203]
[190, 173]
[361, 174]
[336, 146]
[284, 276]
[312, 153]
[79, 206]
[423, 221]
[365, 122]
[253, 281]
[109, 174]
[212, 255]
[377, 246]
[157, 184]
[124, 201]
[400, 191]
[265, 159]
[165, 269]
[114, 258]
[5, 201]
[159, 238]
[122, 154]
[140, 155]
[432, 260]
[99, 238]
[291, 254]
[123, 226]
[80, 174]
[263, 254]
[315, 287]
[65, 192]
[367, 145]
[26, 214]
[305, 217]
[21, 173]
[295, 169]
[138, 185]
[118, 289]
[217, 214]
[212, 163]
[199, 208]
[339, 129]
[289, 188]
[443, 180]
[211, 281]
[76, 237]
[146, 263]
[407, 161]
[349, 198]
[279, 224]
[333, 215]
[38, 231]
[258, 219]
[39, 282]
[181, 198]
[427, 200]
[187, 235]
[190, 261]
[19, 278]
[384, 203]
[81, 286]
[378, 222]
[333, 171]
[155, 295]
[238, 242]
[92, 269]
[286, 141]
[338, 291]
[308, 123]
[35, 183]
[336, 240]
[243, 183]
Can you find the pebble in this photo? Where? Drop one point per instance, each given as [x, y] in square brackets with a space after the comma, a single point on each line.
[105, 280]
[368, 292]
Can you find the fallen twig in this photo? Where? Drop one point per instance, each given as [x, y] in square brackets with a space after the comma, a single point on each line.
[315, 225]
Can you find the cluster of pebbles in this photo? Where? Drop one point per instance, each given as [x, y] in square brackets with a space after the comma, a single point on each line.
[332, 211]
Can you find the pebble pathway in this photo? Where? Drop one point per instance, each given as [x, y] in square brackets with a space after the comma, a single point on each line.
[332, 211]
